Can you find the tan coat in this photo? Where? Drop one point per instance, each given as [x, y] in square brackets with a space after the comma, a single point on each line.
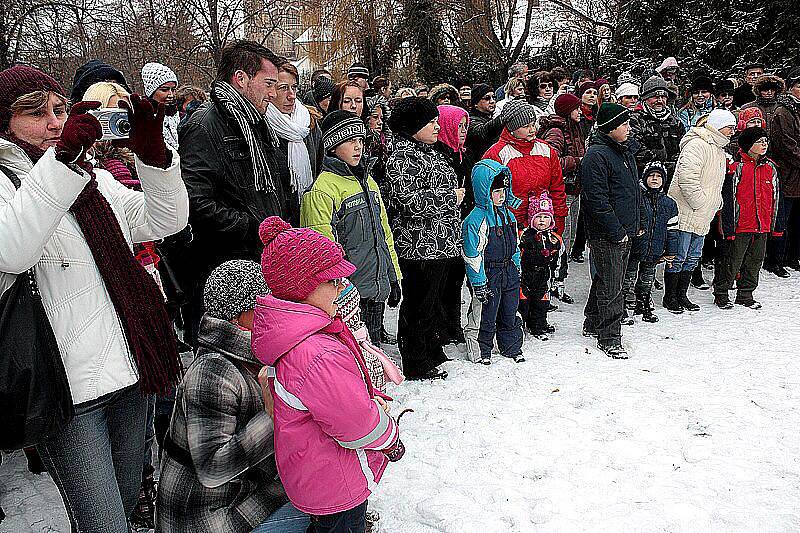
[699, 174]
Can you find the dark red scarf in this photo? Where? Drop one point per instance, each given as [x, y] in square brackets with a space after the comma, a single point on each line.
[135, 295]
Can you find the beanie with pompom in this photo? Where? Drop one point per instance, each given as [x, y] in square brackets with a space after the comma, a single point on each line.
[296, 261]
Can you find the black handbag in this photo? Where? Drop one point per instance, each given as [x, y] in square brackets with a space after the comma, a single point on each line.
[35, 399]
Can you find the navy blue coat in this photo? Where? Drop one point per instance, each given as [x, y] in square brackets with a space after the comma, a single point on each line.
[658, 214]
[610, 195]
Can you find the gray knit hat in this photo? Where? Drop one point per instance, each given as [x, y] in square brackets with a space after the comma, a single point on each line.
[232, 287]
[654, 86]
[516, 114]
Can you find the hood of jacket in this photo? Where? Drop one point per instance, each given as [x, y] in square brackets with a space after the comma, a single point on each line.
[223, 337]
[483, 174]
[600, 137]
[336, 166]
[707, 134]
[281, 325]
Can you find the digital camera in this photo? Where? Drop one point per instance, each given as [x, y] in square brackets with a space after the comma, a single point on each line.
[114, 122]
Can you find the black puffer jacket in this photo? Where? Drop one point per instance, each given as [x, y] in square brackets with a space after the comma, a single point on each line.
[610, 189]
[225, 209]
[659, 140]
[483, 132]
[422, 187]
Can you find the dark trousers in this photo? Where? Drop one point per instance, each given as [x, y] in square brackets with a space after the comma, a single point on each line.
[536, 307]
[450, 304]
[420, 315]
[743, 255]
[497, 317]
[792, 234]
[579, 242]
[372, 316]
[776, 253]
[606, 302]
[351, 521]
[639, 278]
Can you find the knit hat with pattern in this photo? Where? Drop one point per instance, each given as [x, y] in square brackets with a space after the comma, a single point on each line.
[358, 70]
[154, 75]
[296, 261]
[516, 114]
[232, 287]
[322, 89]
[654, 86]
[538, 205]
[340, 126]
[611, 116]
[18, 81]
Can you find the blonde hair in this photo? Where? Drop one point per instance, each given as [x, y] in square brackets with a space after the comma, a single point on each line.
[103, 91]
[405, 92]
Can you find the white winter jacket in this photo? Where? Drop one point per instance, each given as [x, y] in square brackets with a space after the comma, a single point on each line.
[699, 173]
[37, 230]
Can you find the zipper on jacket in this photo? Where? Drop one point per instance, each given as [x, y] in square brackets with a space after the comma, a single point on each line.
[365, 189]
[755, 196]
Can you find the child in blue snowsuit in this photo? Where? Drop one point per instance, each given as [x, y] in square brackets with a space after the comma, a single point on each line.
[656, 242]
[493, 265]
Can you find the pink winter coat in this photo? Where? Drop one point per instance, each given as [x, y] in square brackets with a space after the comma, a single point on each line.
[328, 426]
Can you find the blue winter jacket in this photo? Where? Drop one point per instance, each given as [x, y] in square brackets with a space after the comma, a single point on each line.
[489, 232]
[659, 220]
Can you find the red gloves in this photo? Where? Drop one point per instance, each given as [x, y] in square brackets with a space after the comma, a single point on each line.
[80, 132]
[146, 139]
[560, 221]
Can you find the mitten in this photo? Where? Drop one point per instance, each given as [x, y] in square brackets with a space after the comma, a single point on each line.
[80, 132]
[146, 139]
[483, 293]
[395, 295]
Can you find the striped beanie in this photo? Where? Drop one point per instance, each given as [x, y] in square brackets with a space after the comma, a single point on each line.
[611, 116]
[340, 126]
[358, 70]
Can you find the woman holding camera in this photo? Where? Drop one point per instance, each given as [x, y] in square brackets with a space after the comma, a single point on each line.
[75, 226]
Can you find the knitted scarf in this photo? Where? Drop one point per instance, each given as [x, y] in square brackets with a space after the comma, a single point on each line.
[136, 298]
[294, 128]
[247, 117]
[659, 115]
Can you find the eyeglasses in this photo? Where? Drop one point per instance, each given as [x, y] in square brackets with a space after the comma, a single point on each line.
[762, 140]
[545, 85]
[488, 97]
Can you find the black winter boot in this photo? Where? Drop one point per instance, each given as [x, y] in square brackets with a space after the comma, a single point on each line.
[697, 279]
[684, 281]
[670, 301]
[644, 308]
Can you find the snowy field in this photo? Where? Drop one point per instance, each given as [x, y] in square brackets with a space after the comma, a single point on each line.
[698, 431]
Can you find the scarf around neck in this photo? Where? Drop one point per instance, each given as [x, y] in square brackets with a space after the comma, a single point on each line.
[136, 298]
[294, 128]
[248, 117]
[660, 115]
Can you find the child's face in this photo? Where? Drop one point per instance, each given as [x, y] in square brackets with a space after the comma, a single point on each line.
[542, 221]
[654, 180]
[498, 197]
[350, 151]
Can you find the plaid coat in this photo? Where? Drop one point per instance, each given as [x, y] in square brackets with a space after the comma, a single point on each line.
[220, 420]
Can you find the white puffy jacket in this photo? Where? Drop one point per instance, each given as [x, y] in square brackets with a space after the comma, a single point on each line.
[699, 173]
[37, 230]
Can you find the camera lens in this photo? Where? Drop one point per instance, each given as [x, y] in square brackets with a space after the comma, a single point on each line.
[124, 127]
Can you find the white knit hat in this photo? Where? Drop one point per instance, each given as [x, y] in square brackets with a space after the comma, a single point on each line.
[154, 75]
[627, 89]
[720, 118]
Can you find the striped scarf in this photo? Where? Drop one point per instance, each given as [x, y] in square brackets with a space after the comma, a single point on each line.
[248, 117]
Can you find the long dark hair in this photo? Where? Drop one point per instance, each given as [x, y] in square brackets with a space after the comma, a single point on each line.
[337, 96]
[532, 86]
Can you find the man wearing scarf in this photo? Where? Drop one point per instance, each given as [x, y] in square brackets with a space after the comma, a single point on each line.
[233, 167]
[656, 127]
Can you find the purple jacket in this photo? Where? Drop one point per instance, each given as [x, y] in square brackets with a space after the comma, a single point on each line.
[328, 426]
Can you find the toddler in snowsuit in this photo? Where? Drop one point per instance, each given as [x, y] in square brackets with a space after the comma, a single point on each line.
[656, 242]
[492, 257]
[540, 247]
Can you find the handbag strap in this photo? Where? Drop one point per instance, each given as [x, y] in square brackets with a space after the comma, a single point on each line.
[11, 175]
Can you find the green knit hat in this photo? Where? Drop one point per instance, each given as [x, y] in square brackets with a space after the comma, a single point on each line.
[611, 116]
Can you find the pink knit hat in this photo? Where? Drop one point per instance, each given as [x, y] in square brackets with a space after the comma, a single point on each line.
[449, 117]
[296, 261]
[538, 205]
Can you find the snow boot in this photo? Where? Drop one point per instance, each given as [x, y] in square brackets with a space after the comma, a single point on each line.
[684, 280]
[670, 301]
[519, 358]
[723, 301]
[614, 350]
[794, 264]
[144, 514]
[697, 279]
[644, 308]
[388, 338]
[778, 270]
[626, 319]
[748, 301]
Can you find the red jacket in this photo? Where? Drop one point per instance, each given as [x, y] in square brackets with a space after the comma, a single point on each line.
[535, 167]
[750, 197]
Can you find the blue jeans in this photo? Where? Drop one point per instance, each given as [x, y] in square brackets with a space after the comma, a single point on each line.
[688, 252]
[96, 461]
[287, 519]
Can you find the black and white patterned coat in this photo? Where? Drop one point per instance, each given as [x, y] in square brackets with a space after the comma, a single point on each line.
[422, 187]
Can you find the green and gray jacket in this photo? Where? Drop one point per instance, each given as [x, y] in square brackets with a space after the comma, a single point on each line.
[349, 210]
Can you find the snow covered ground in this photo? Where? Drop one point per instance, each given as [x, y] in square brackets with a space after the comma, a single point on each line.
[698, 431]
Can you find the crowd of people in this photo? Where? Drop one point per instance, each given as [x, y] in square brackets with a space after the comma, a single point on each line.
[266, 231]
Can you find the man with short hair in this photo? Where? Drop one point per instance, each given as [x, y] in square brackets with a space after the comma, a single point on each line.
[610, 202]
[483, 130]
[359, 73]
[517, 70]
[232, 166]
[744, 93]
[656, 128]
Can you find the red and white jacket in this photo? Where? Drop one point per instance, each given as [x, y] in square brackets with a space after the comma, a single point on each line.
[750, 197]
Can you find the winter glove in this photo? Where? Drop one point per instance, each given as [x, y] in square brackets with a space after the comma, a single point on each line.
[560, 221]
[394, 295]
[483, 293]
[146, 139]
[80, 132]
